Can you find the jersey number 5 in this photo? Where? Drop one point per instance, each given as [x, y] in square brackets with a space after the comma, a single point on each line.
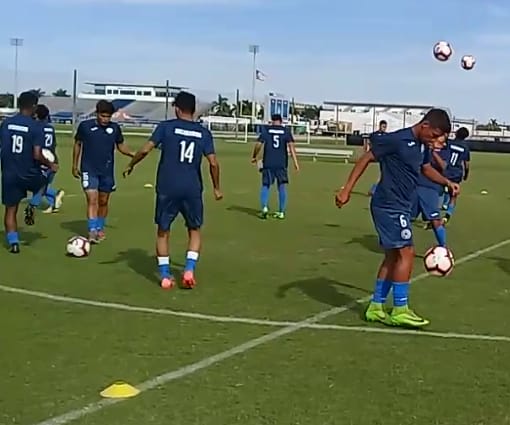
[17, 143]
[276, 141]
[187, 151]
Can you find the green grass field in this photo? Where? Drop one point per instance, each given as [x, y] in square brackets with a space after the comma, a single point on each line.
[271, 334]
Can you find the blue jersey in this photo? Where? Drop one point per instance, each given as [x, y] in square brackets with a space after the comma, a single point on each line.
[50, 138]
[400, 155]
[182, 144]
[18, 136]
[275, 139]
[98, 146]
[456, 154]
[424, 181]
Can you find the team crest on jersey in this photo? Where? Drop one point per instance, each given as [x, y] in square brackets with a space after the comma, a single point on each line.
[109, 130]
[406, 234]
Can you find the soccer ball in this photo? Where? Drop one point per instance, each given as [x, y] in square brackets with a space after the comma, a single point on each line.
[439, 261]
[442, 51]
[467, 62]
[78, 246]
[49, 156]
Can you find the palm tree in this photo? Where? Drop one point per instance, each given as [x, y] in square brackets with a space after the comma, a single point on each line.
[38, 92]
[61, 93]
[221, 107]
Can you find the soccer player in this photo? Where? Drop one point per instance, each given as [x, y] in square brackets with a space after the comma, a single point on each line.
[383, 126]
[53, 196]
[93, 163]
[457, 156]
[402, 155]
[21, 142]
[183, 142]
[427, 197]
[277, 142]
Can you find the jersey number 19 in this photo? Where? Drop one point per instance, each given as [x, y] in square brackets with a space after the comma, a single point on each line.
[17, 143]
[187, 151]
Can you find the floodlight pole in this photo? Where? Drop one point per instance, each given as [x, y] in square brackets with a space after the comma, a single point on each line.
[16, 43]
[254, 50]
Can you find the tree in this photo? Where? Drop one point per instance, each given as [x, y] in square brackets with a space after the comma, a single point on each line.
[310, 113]
[38, 92]
[6, 100]
[221, 107]
[61, 93]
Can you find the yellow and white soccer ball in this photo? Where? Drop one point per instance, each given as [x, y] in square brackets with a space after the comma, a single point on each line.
[442, 51]
[439, 261]
[78, 246]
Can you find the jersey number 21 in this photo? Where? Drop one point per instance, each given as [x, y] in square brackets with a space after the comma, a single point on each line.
[187, 151]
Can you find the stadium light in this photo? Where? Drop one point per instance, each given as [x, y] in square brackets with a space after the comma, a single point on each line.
[254, 49]
[16, 43]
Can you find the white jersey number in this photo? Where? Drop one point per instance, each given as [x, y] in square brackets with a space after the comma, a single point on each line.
[187, 151]
[48, 140]
[276, 141]
[17, 143]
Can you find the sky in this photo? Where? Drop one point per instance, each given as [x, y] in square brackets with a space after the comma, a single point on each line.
[314, 51]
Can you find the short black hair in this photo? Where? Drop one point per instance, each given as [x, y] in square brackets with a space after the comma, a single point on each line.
[42, 112]
[276, 117]
[27, 100]
[462, 133]
[186, 102]
[438, 118]
[383, 122]
[105, 107]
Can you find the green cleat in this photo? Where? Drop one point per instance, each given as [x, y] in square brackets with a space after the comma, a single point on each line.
[264, 213]
[279, 215]
[406, 318]
[375, 313]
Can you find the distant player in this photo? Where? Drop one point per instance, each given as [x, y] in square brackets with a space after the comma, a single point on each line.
[427, 198]
[402, 155]
[21, 142]
[53, 196]
[276, 142]
[383, 127]
[183, 142]
[93, 163]
[457, 156]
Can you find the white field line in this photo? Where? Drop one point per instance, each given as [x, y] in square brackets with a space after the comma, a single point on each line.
[243, 348]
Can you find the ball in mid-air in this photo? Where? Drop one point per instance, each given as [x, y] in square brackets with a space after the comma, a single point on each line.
[442, 51]
[467, 62]
[439, 261]
[78, 246]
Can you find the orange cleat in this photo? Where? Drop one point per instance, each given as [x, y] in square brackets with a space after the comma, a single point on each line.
[188, 280]
[167, 283]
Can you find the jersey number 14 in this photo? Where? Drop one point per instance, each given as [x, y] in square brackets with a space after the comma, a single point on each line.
[187, 151]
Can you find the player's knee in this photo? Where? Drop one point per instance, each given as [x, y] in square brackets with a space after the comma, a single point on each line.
[406, 253]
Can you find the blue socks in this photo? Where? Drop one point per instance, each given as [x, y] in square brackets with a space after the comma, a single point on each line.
[12, 238]
[92, 224]
[264, 196]
[381, 291]
[36, 199]
[450, 210]
[440, 233]
[446, 199]
[191, 261]
[282, 197]
[400, 294]
[164, 267]
[51, 195]
[100, 223]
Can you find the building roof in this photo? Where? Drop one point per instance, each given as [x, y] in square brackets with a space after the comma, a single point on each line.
[377, 105]
[152, 86]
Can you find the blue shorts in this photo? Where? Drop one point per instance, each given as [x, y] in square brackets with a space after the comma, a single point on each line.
[14, 189]
[426, 202]
[169, 207]
[269, 175]
[100, 182]
[393, 227]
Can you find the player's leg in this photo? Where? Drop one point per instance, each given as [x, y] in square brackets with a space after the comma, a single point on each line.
[106, 186]
[12, 194]
[375, 311]
[452, 203]
[37, 185]
[267, 181]
[282, 179]
[428, 199]
[446, 198]
[192, 210]
[166, 211]
[54, 197]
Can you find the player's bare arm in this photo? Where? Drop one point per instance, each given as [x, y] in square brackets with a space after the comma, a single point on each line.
[466, 170]
[256, 151]
[76, 159]
[139, 156]
[124, 150]
[432, 174]
[39, 157]
[293, 154]
[214, 171]
[343, 196]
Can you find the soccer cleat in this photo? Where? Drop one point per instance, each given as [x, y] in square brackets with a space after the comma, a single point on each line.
[30, 215]
[14, 248]
[59, 199]
[93, 237]
[279, 215]
[375, 313]
[188, 280]
[167, 283]
[406, 318]
[101, 235]
[264, 213]
[49, 210]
